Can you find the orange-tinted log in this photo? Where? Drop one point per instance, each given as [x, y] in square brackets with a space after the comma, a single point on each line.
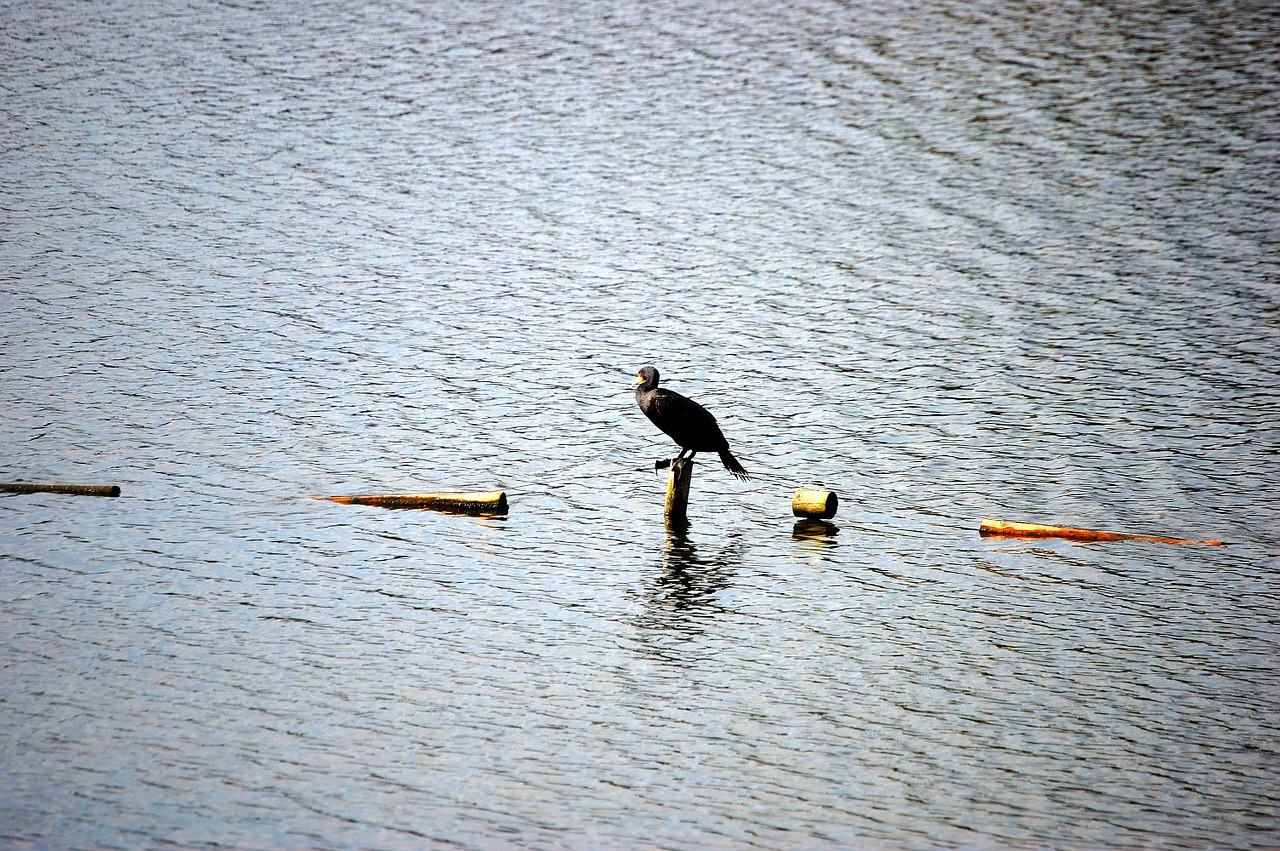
[1004, 528]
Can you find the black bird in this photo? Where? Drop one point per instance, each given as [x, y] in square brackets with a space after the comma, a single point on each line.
[688, 423]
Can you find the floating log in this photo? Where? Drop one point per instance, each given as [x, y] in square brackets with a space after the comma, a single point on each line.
[487, 502]
[678, 483]
[1003, 528]
[77, 490]
[820, 505]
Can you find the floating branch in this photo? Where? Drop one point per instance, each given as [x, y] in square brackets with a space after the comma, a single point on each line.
[487, 502]
[78, 490]
[1002, 528]
[821, 505]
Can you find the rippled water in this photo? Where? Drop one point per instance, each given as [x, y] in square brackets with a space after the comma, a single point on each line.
[952, 260]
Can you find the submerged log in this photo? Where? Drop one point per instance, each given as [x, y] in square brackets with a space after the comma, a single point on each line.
[77, 490]
[1006, 529]
[486, 502]
[820, 505]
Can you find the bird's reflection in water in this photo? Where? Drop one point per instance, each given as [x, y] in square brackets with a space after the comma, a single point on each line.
[681, 594]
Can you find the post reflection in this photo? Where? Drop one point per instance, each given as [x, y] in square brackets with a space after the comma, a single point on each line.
[682, 592]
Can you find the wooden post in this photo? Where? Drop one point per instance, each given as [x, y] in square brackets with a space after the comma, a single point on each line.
[77, 490]
[678, 490]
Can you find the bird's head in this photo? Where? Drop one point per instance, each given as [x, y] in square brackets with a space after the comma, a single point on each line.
[647, 378]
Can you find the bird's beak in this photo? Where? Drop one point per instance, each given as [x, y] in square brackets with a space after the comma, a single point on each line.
[639, 380]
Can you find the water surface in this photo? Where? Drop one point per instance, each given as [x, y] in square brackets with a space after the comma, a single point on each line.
[951, 260]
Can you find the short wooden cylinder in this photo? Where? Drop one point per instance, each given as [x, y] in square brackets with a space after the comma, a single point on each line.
[821, 505]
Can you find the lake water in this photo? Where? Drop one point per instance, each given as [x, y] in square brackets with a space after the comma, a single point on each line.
[952, 260]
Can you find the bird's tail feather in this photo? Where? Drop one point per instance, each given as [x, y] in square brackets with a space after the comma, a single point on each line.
[731, 464]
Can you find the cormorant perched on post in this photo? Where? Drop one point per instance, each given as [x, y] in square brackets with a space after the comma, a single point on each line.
[688, 423]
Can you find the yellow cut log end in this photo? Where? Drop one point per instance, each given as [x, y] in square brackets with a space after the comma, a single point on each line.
[77, 490]
[1005, 528]
[821, 505]
[485, 502]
